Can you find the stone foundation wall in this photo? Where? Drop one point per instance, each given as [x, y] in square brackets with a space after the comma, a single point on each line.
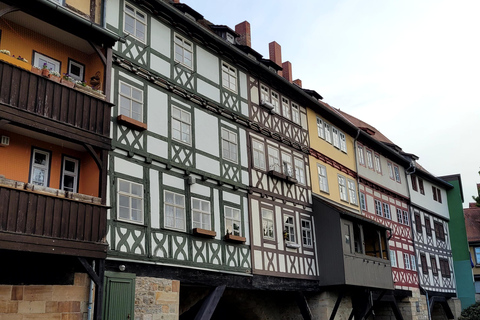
[322, 304]
[156, 299]
[45, 302]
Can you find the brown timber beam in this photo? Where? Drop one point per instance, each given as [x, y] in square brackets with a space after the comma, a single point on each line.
[303, 305]
[337, 304]
[210, 303]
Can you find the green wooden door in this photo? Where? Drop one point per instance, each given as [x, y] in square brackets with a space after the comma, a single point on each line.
[119, 296]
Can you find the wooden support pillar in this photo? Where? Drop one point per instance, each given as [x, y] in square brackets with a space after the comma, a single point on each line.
[303, 305]
[210, 303]
[395, 309]
[97, 275]
[103, 176]
[337, 304]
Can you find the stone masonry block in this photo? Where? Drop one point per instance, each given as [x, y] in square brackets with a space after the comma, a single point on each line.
[69, 293]
[69, 306]
[5, 292]
[176, 286]
[10, 316]
[31, 306]
[37, 293]
[8, 306]
[17, 293]
[44, 316]
[163, 297]
[51, 307]
[72, 316]
[81, 279]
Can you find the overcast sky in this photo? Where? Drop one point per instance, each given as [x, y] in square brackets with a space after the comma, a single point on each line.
[410, 68]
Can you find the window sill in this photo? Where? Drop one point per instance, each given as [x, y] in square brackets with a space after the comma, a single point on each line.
[292, 245]
[204, 233]
[279, 175]
[131, 123]
[233, 238]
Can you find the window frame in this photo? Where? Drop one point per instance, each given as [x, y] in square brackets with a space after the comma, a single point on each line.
[75, 175]
[289, 228]
[428, 226]
[386, 210]
[134, 17]
[361, 156]
[396, 170]
[377, 163]
[418, 222]
[230, 144]
[81, 66]
[130, 196]
[406, 260]
[328, 132]
[182, 123]
[203, 214]
[363, 201]
[378, 208]
[174, 205]
[423, 261]
[131, 100]
[296, 113]
[286, 108]
[275, 101]
[444, 267]
[393, 258]
[182, 45]
[57, 64]
[370, 159]
[299, 170]
[228, 75]
[46, 167]
[420, 186]
[434, 266]
[406, 218]
[399, 216]
[413, 262]
[343, 141]
[342, 188]
[439, 230]
[390, 170]
[307, 233]
[320, 128]
[414, 183]
[269, 223]
[352, 191]
[322, 179]
[274, 154]
[336, 137]
[258, 154]
[476, 252]
[232, 218]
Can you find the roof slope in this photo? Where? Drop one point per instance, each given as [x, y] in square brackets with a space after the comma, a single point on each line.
[472, 223]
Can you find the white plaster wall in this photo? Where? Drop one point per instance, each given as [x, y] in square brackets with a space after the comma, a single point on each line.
[207, 164]
[256, 222]
[206, 133]
[154, 199]
[160, 37]
[208, 90]
[426, 201]
[157, 147]
[208, 65]
[172, 181]
[128, 168]
[159, 65]
[112, 13]
[157, 111]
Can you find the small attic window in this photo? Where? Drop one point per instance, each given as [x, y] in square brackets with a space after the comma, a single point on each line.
[368, 130]
[230, 38]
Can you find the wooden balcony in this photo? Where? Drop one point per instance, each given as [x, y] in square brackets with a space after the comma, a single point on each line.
[47, 106]
[39, 219]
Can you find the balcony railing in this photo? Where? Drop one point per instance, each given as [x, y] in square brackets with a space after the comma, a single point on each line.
[53, 222]
[39, 100]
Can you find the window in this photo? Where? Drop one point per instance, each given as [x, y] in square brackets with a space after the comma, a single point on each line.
[397, 173]
[232, 221]
[352, 191]
[258, 154]
[130, 201]
[328, 133]
[343, 142]
[413, 263]
[287, 165]
[69, 174]
[428, 226]
[420, 185]
[361, 156]
[433, 262]
[39, 174]
[322, 177]
[393, 258]
[477, 255]
[335, 137]
[437, 195]
[414, 183]
[135, 22]
[369, 159]
[264, 94]
[439, 231]
[131, 101]
[181, 126]
[406, 218]
[229, 145]
[399, 215]
[423, 261]
[183, 51]
[275, 102]
[406, 260]
[295, 113]
[299, 171]
[267, 223]
[39, 60]
[320, 128]
[386, 210]
[418, 223]
[363, 202]
[174, 210]
[201, 215]
[229, 77]
[378, 166]
[390, 170]
[273, 159]
[434, 191]
[378, 208]
[76, 70]
[307, 233]
[289, 229]
[444, 267]
[286, 108]
[342, 186]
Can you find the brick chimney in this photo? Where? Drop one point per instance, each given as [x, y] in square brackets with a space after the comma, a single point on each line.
[287, 70]
[275, 51]
[298, 82]
[176, 1]
[243, 29]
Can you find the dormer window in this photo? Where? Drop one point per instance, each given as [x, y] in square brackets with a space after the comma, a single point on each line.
[230, 38]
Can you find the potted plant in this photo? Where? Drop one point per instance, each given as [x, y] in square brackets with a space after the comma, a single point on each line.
[45, 71]
[36, 70]
[83, 86]
[67, 80]
[54, 75]
[19, 62]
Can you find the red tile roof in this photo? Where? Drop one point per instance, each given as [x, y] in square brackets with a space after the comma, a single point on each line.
[472, 223]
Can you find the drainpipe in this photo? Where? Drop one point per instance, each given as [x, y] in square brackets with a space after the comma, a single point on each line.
[428, 303]
[356, 169]
[90, 295]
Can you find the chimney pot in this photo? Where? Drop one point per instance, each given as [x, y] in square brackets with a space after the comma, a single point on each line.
[243, 29]
[275, 51]
[298, 82]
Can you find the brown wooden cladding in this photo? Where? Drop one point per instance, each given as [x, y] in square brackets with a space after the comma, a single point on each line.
[49, 221]
[40, 96]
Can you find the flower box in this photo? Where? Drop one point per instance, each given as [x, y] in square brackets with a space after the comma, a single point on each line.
[54, 78]
[233, 238]
[204, 232]
[131, 123]
[15, 61]
[67, 83]
[45, 72]
[36, 70]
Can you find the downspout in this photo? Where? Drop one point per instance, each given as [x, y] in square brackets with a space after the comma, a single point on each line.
[428, 303]
[90, 296]
[356, 170]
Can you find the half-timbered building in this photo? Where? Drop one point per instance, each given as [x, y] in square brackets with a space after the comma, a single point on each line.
[53, 157]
